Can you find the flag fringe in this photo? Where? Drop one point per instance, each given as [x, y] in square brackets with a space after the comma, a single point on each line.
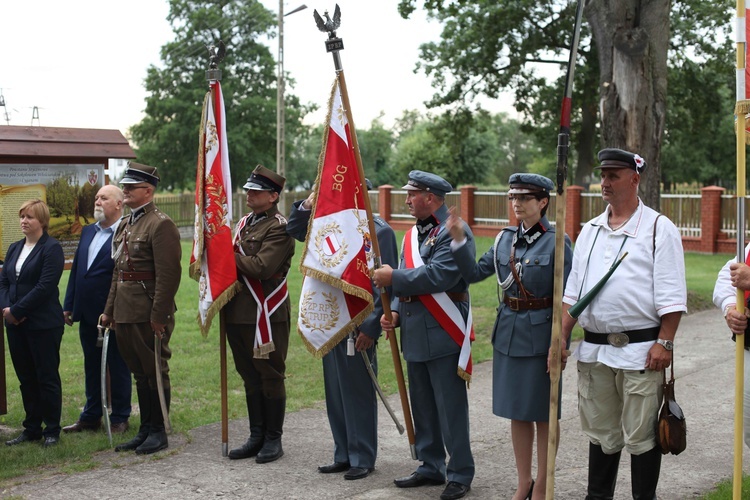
[338, 283]
[343, 332]
[195, 266]
[742, 107]
[464, 375]
[321, 161]
[262, 352]
[216, 306]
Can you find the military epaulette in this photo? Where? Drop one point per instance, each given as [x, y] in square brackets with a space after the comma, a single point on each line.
[378, 221]
[282, 219]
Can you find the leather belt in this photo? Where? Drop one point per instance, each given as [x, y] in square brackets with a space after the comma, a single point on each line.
[623, 338]
[135, 275]
[454, 296]
[518, 304]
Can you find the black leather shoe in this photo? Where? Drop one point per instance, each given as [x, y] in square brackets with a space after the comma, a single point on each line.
[154, 442]
[250, 449]
[22, 438]
[454, 490]
[334, 467]
[50, 441]
[270, 452]
[416, 479]
[357, 473]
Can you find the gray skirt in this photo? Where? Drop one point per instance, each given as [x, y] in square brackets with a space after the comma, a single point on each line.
[520, 388]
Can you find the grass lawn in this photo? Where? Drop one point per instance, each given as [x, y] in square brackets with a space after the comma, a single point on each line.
[194, 369]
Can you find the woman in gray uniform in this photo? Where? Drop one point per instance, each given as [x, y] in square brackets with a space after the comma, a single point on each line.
[523, 260]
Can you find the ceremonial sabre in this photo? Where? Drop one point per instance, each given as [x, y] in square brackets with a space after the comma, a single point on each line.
[105, 409]
[380, 392]
[334, 45]
[555, 365]
[160, 383]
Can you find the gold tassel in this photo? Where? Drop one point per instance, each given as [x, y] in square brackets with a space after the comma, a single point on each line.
[262, 352]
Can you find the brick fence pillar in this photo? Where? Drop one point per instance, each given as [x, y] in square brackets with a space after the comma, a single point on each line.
[384, 201]
[467, 204]
[573, 211]
[710, 217]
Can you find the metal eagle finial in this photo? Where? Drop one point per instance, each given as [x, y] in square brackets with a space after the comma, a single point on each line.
[329, 25]
[216, 54]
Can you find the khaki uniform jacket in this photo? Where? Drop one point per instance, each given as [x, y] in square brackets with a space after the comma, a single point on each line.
[153, 244]
[268, 256]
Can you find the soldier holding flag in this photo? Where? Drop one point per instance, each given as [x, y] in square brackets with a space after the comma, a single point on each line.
[629, 326]
[350, 394]
[258, 316]
[432, 301]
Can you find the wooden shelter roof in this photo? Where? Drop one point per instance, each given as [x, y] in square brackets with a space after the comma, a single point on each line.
[61, 144]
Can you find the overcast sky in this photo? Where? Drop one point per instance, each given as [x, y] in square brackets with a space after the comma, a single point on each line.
[83, 62]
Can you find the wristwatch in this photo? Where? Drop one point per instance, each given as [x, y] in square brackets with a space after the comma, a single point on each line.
[666, 344]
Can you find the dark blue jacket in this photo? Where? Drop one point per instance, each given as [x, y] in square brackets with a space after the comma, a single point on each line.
[87, 289]
[34, 294]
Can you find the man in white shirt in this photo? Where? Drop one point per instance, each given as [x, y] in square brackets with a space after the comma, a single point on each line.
[629, 326]
[88, 286]
[731, 276]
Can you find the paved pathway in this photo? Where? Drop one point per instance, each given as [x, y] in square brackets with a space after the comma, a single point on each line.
[196, 470]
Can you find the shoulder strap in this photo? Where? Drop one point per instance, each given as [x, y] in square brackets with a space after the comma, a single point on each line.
[654, 237]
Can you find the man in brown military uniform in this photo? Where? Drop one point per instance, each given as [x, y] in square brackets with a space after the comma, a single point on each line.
[146, 250]
[258, 317]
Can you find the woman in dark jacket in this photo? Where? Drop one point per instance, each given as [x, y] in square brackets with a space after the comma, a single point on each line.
[33, 316]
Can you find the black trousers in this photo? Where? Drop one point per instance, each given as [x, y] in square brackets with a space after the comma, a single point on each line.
[260, 375]
[36, 359]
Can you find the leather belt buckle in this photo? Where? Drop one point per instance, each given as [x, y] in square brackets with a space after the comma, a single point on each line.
[618, 339]
[513, 303]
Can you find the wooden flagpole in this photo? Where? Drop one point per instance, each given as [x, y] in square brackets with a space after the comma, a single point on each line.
[334, 45]
[740, 111]
[214, 74]
[563, 143]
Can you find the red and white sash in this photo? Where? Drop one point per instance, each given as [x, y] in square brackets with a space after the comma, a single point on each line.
[266, 306]
[443, 309]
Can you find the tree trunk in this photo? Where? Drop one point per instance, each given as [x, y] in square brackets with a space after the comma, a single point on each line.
[632, 38]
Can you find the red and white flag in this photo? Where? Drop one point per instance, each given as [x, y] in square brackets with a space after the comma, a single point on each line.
[212, 261]
[336, 292]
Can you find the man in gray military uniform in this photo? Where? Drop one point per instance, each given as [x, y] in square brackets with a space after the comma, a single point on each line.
[439, 400]
[350, 396]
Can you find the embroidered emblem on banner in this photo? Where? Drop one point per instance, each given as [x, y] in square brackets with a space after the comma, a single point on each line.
[364, 229]
[331, 249]
[93, 177]
[319, 315]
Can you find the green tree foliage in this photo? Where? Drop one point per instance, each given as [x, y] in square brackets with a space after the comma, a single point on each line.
[168, 136]
[376, 146]
[302, 162]
[490, 46]
[482, 149]
[61, 197]
[699, 144]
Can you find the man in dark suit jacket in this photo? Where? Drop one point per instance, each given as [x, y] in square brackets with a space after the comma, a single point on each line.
[88, 286]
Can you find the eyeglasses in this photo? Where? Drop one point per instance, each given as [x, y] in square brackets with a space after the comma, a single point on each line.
[521, 197]
[127, 187]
